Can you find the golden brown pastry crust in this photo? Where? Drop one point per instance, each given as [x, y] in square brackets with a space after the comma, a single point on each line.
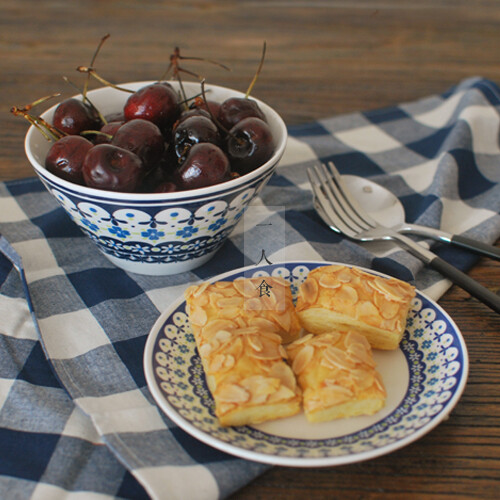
[337, 375]
[239, 339]
[338, 296]
[265, 302]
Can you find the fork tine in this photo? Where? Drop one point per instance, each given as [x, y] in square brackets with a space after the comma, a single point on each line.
[349, 203]
[326, 208]
[335, 197]
[330, 203]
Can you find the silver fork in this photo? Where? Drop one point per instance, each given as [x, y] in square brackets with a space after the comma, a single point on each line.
[340, 211]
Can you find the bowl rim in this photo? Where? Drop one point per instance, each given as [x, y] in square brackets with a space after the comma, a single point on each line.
[152, 197]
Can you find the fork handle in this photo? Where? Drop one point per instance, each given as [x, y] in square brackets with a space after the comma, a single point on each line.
[455, 239]
[476, 246]
[461, 279]
[477, 290]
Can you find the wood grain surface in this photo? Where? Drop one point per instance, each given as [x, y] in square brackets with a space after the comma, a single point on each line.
[324, 58]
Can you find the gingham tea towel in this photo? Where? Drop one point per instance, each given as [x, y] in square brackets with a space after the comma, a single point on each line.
[89, 424]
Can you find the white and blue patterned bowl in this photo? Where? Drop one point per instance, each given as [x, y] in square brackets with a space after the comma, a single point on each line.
[165, 233]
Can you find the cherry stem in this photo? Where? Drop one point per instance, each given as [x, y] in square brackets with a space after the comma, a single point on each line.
[96, 132]
[47, 130]
[86, 99]
[87, 80]
[174, 63]
[93, 72]
[257, 73]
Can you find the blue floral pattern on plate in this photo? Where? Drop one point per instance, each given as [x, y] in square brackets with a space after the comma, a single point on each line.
[435, 364]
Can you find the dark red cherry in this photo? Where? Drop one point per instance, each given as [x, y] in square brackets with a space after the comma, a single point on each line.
[235, 109]
[109, 129]
[112, 168]
[194, 130]
[143, 138]
[73, 116]
[157, 103]
[206, 164]
[249, 145]
[65, 157]
[192, 112]
[211, 107]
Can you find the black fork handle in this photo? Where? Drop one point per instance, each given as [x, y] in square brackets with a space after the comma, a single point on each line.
[461, 279]
[477, 290]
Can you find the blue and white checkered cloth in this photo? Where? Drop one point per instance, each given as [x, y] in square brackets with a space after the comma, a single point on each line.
[76, 416]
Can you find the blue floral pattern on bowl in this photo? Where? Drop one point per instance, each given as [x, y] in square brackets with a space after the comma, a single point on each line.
[434, 358]
[159, 235]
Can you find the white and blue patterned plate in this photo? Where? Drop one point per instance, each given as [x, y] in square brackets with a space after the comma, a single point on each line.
[424, 380]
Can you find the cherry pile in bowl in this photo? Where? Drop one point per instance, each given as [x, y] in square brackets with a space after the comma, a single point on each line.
[159, 142]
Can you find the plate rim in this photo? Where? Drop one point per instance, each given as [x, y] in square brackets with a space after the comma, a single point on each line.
[303, 462]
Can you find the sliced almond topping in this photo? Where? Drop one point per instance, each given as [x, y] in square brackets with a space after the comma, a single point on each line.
[224, 408]
[229, 312]
[253, 304]
[362, 379]
[230, 302]
[232, 393]
[223, 284]
[246, 287]
[216, 363]
[260, 387]
[228, 292]
[302, 359]
[235, 347]
[347, 295]
[359, 353]
[255, 343]
[336, 358]
[284, 373]
[248, 330]
[331, 269]
[366, 308]
[391, 291]
[270, 351]
[223, 336]
[356, 338]
[190, 291]
[379, 383]
[229, 362]
[301, 340]
[326, 339]
[282, 394]
[200, 289]
[335, 394]
[329, 281]
[273, 337]
[345, 275]
[278, 280]
[388, 309]
[309, 290]
[214, 297]
[284, 321]
[269, 300]
[198, 316]
[205, 350]
[283, 352]
[241, 322]
[212, 327]
[264, 324]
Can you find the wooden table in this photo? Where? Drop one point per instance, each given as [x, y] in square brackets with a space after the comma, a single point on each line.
[323, 58]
